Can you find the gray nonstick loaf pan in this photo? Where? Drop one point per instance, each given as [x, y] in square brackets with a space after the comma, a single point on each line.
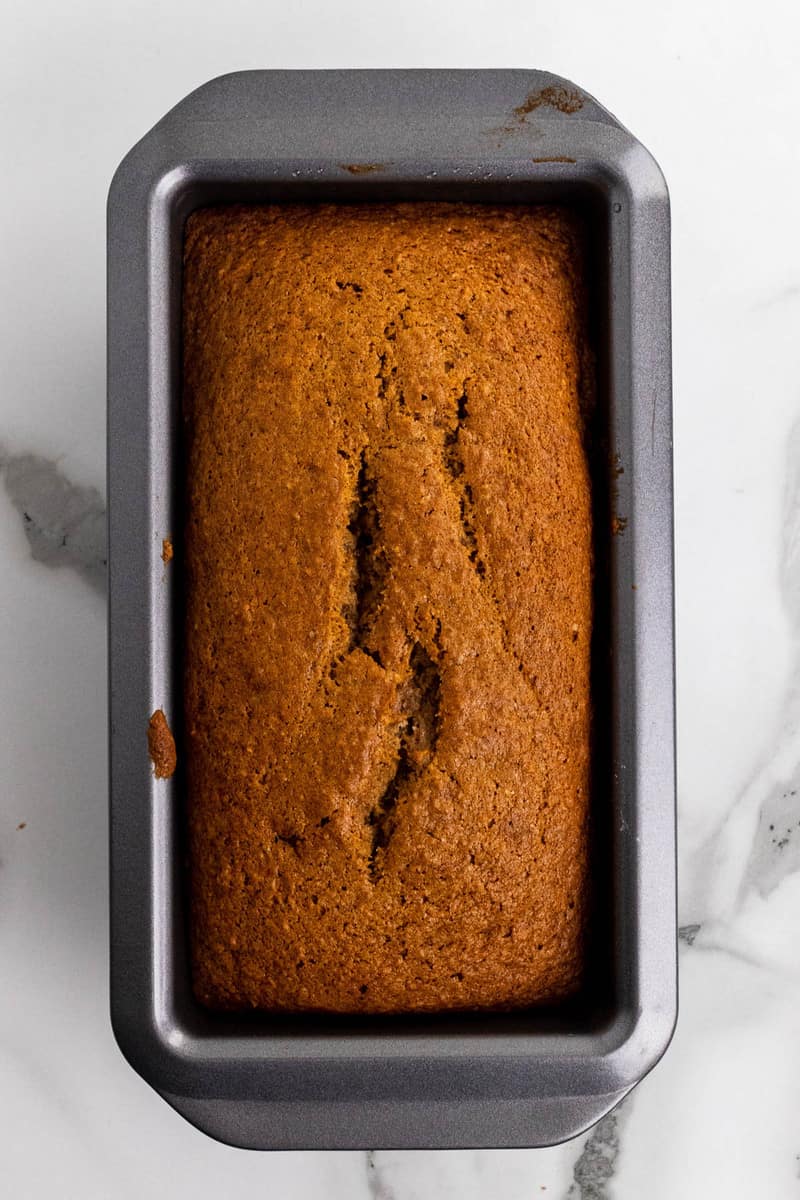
[491, 1079]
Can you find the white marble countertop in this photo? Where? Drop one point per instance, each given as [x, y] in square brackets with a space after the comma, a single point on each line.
[710, 87]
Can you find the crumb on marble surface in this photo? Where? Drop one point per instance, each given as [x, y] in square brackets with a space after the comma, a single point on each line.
[618, 525]
[167, 550]
[161, 745]
[21, 825]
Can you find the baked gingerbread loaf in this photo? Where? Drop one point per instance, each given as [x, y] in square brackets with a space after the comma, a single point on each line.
[388, 558]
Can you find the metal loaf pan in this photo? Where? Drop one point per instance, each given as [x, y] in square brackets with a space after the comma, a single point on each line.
[524, 1079]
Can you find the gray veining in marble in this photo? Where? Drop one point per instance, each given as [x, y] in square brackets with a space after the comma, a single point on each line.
[775, 850]
[790, 550]
[687, 933]
[377, 1187]
[776, 846]
[64, 522]
[597, 1161]
[772, 791]
[781, 296]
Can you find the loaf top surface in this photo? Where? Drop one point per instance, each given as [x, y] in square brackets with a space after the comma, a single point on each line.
[388, 616]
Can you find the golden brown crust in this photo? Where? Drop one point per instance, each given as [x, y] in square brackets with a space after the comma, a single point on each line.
[388, 621]
[161, 746]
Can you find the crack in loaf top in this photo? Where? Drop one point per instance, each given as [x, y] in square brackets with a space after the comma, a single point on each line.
[388, 606]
